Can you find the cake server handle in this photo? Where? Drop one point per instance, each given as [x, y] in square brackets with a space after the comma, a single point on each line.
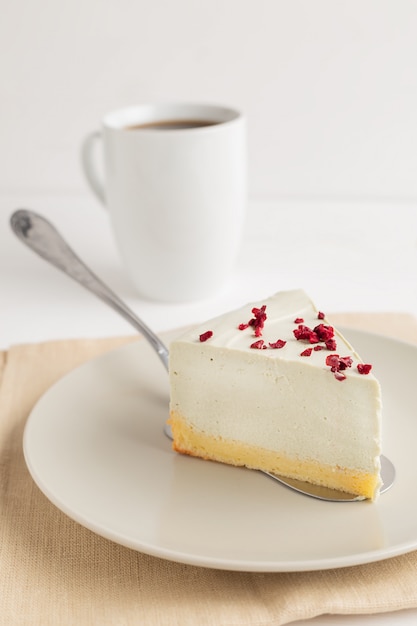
[43, 238]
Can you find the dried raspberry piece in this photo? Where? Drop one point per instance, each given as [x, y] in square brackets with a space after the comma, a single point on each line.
[320, 315]
[320, 333]
[345, 362]
[323, 332]
[298, 320]
[332, 360]
[206, 335]
[258, 345]
[364, 368]
[306, 352]
[280, 343]
[304, 333]
[338, 364]
[318, 347]
[257, 322]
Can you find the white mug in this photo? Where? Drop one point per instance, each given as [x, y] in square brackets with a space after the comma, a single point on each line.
[175, 186]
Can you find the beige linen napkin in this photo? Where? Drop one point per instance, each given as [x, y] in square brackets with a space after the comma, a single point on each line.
[54, 571]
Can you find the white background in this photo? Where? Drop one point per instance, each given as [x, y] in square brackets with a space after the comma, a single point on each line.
[330, 93]
[329, 88]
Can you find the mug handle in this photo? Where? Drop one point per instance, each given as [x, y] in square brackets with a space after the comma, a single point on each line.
[89, 167]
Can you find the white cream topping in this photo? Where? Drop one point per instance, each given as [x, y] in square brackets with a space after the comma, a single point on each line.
[275, 398]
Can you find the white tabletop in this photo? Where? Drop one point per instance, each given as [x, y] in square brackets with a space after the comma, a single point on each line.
[349, 256]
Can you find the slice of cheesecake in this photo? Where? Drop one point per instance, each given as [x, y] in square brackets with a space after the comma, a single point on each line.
[273, 386]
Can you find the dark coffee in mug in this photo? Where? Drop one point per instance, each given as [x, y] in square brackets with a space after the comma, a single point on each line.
[173, 125]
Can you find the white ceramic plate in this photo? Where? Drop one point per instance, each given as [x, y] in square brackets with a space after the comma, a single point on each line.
[95, 446]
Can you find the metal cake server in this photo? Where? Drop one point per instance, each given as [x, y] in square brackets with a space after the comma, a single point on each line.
[42, 237]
